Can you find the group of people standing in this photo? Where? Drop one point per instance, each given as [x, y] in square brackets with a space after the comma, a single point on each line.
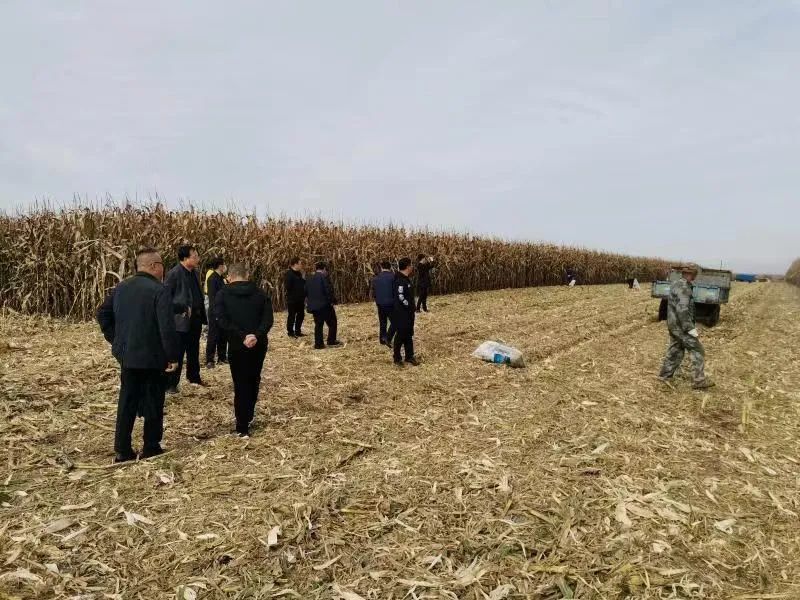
[154, 324]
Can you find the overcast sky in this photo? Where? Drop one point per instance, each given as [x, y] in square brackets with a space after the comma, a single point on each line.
[658, 128]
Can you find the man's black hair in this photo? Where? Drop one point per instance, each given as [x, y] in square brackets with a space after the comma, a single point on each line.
[403, 263]
[385, 264]
[184, 252]
[321, 266]
[294, 260]
[216, 262]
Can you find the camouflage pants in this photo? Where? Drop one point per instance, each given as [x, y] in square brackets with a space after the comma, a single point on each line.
[679, 343]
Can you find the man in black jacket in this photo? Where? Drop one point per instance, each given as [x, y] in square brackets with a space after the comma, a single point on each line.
[384, 299]
[190, 314]
[424, 267]
[244, 312]
[137, 319]
[404, 313]
[216, 344]
[295, 286]
[321, 301]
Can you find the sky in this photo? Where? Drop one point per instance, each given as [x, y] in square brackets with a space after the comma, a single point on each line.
[659, 128]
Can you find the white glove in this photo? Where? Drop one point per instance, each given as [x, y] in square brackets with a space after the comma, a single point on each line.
[693, 333]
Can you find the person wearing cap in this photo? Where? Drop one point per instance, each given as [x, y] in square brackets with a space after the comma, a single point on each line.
[683, 335]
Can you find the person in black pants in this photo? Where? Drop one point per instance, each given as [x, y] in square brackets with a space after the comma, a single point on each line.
[137, 319]
[384, 300]
[216, 344]
[403, 315]
[321, 302]
[295, 286]
[190, 314]
[424, 267]
[244, 312]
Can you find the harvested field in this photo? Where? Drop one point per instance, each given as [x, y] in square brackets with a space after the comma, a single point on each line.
[580, 476]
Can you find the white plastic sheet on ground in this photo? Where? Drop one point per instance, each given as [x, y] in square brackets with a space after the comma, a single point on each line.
[495, 352]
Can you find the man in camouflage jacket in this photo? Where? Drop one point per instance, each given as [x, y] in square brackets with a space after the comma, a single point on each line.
[683, 336]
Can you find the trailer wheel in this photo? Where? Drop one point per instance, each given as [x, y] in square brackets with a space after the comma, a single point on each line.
[662, 310]
[713, 317]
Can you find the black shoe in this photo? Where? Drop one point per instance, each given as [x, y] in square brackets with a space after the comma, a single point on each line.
[399, 363]
[125, 457]
[199, 383]
[383, 342]
[210, 365]
[172, 390]
[413, 361]
[319, 347]
[150, 452]
[222, 361]
[291, 335]
[335, 344]
[299, 335]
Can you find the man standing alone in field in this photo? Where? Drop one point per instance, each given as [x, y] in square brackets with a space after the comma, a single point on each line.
[216, 344]
[244, 312]
[404, 314]
[137, 319]
[683, 334]
[295, 287]
[321, 302]
[424, 267]
[190, 314]
[384, 299]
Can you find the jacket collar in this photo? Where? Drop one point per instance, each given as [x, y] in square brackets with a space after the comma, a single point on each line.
[143, 274]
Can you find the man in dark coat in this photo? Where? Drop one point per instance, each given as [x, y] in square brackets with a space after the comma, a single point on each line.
[295, 286]
[138, 320]
[244, 312]
[216, 344]
[384, 299]
[424, 267]
[190, 314]
[321, 302]
[403, 315]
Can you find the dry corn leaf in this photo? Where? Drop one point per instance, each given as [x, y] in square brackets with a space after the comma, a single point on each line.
[621, 515]
[725, 526]
[272, 536]
[132, 518]
[327, 564]
[343, 594]
[59, 525]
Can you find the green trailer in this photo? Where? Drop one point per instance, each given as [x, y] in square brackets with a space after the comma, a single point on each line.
[712, 288]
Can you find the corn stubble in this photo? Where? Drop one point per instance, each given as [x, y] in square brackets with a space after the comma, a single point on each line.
[62, 262]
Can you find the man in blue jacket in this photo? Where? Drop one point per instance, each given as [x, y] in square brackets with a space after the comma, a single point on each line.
[137, 319]
[321, 301]
[384, 300]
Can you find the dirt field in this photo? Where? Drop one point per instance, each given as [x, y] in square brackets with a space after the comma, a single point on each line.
[580, 476]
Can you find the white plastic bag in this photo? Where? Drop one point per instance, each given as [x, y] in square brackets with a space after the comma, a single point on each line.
[495, 352]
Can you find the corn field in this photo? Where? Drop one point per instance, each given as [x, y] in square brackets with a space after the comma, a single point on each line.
[793, 274]
[62, 262]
